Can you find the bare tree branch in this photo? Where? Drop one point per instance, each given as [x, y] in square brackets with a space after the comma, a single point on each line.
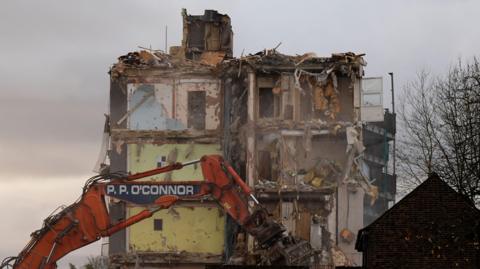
[440, 129]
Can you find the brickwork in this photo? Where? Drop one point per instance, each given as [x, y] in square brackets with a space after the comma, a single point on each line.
[432, 227]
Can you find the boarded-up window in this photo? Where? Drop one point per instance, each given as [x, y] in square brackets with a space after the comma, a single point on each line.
[303, 225]
[287, 96]
[277, 104]
[306, 103]
[264, 165]
[196, 35]
[288, 114]
[265, 103]
[212, 37]
[288, 216]
[161, 161]
[196, 110]
[157, 224]
[346, 112]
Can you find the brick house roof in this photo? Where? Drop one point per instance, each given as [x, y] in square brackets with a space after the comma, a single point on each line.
[433, 224]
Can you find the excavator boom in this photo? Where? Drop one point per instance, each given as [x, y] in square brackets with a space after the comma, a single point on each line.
[87, 220]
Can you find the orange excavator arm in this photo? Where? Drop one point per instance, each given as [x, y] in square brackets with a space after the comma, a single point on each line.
[87, 220]
[79, 224]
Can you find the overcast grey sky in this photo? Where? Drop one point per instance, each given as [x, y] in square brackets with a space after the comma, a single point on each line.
[54, 58]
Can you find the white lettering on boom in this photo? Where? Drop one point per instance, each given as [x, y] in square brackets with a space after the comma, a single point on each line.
[189, 190]
[150, 190]
[110, 189]
[135, 189]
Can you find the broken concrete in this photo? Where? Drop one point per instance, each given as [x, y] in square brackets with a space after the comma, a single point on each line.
[290, 124]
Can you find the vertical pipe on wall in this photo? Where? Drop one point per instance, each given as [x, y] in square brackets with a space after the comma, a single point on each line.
[166, 39]
[227, 88]
[395, 118]
[251, 140]
[393, 93]
[251, 143]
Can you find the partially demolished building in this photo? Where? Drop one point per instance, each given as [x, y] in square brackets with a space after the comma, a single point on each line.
[290, 125]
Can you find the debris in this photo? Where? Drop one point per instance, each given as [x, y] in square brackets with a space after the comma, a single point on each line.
[321, 103]
[336, 128]
[372, 191]
[353, 140]
[309, 176]
[269, 185]
[306, 56]
[347, 235]
[277, 46]
[317, 182]
[145, 58]
[212, 57]
[339, 257]
[118, 145]
[307, 139]
[283, 148]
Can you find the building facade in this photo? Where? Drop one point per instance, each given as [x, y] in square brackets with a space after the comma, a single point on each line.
[290, 125]
[378, 138]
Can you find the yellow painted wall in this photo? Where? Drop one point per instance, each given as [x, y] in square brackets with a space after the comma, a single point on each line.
[144, 157]
[198, 228]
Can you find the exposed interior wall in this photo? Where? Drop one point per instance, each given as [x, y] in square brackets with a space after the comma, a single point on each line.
[205, 37]
[164, 105]
[118, 161]
[197, 227]
[350, 220]
[142, 157]
[301, 147]
[151, 107]
[280, 98]
[285, 154]
[160, 118]
[194, 229]
[284, 129]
